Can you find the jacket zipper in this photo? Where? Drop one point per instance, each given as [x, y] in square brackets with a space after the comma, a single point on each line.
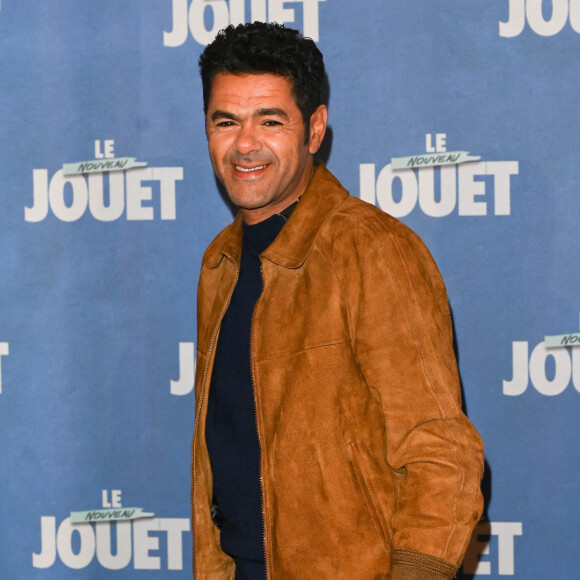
[200, 403]
[260, 444]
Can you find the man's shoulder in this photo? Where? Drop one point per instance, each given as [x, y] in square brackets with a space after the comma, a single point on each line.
[357, 229]
[346, 210]
[355, 218]
[224, 242]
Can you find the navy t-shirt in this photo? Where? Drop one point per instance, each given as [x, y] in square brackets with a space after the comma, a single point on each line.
[231, 431]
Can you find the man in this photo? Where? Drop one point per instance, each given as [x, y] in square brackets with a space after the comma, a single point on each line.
[329, 439]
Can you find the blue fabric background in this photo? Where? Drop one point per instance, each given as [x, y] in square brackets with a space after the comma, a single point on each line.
[94, 314]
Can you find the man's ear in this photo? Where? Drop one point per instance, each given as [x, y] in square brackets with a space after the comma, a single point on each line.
[317, 128]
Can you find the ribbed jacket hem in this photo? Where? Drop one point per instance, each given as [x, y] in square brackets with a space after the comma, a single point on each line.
[408, 565]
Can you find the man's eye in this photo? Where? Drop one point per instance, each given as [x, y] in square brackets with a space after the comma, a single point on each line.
[271, 123]
[225, 124]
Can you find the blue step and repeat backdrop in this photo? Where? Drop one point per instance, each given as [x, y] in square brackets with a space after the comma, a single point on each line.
[460, 118]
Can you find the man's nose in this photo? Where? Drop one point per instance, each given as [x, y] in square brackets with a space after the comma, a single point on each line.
[247, 140]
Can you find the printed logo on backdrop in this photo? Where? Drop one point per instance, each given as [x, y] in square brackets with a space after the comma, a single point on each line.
[552, 365]
[106, 187]
[184, 384]
[205, 18]
[495, 541]
[88, 534]
[544, 17]
[4, 351]
[439, 183]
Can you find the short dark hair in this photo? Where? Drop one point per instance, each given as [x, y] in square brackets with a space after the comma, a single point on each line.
[258, 47]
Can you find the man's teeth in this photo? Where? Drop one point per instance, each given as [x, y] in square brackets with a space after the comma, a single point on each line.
[248, 169]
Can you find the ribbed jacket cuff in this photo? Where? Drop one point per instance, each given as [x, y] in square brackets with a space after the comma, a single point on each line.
[408, 565]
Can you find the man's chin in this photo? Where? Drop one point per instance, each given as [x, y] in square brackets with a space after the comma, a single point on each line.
[247, 200]
[249, 207]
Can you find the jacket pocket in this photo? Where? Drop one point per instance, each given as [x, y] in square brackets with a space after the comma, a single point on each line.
[362, 472]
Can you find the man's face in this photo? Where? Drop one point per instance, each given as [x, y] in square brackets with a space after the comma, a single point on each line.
[256, 142]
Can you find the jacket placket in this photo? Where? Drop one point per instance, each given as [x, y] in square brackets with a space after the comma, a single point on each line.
[258, 425]
[199, 405]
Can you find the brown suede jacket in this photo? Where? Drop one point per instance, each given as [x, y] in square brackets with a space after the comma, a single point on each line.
[369, 468]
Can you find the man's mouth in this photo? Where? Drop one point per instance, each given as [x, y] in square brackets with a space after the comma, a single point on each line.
[249, 169]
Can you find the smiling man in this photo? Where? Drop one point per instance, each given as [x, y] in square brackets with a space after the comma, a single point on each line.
[257, 142]
[329, 439]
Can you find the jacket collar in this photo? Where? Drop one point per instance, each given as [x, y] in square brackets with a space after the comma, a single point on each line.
[293, 244]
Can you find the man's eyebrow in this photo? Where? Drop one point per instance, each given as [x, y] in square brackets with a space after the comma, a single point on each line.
[224, 115]
[271, 112]
[263, 112]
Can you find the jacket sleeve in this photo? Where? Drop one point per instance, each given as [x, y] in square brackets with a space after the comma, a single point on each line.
[402, 336]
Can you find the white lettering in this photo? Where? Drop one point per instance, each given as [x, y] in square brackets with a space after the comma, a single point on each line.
[480, 545]
[237, 10]
[547, 27]
[143, 544]
[564, 361]
[440, 146]
[447, 200]
[133, 539]
[56, 196]
[501, 171]
[205, 18]
[115, 498]
[408, 194]
[47, 555]
[64, 545]
[167, 176]
[575, 15]
[175, 527]
[505, 532]
[397, 192]
[311, 26]
[184, 385]
[114, 210]
[109, 149]
[4, 351]
[39, 209]
[178, 34]
[576, 368]
[69, 196]
[220, 19]
[259, 11]
[122, 555]
[277, 12]
[367, 183]
[137, 194]
[516, 21]
[562, 374]
[533, 12]
[469, 189]
[519, 382]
